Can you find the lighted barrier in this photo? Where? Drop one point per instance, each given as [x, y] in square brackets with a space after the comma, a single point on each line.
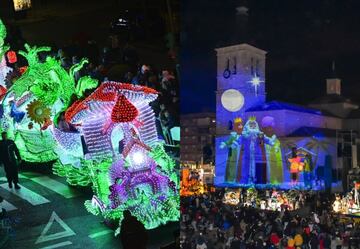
[107, 140]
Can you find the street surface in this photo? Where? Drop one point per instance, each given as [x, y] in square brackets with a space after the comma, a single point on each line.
[48, 213]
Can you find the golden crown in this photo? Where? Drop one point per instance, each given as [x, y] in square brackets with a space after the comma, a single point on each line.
[252, 118]
[238, 120]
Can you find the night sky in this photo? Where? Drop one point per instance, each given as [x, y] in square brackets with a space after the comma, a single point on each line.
[302, 39]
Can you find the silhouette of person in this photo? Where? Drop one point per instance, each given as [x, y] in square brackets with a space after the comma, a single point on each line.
[10, 157]
[133, 234]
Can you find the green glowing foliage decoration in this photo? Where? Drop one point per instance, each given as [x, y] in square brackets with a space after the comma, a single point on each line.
[4, 69]
[165, 162]
[49, 81]
[2, 33]
[148, 209]
[85, 83]
[90, 173]
[3, 47]
[155, 215]
[35, 147]
[34, 101]
[74, 176]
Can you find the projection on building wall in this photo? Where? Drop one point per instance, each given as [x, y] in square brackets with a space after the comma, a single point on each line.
[252, 154]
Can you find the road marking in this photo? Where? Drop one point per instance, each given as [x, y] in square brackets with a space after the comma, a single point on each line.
[66, 243]
[26, 194]
[7, 206]
[3, 178]
[43, 237]
[55, 186]
[98, 234]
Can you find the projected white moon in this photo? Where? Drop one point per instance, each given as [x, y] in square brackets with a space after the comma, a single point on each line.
[232, 100]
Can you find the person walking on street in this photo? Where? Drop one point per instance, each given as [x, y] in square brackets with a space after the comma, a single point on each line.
[10, 157]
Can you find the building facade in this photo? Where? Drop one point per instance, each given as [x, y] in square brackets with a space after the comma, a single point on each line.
[326, 130]
[197, 142]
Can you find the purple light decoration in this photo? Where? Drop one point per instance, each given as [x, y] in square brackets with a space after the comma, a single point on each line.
[116, 114]
[121, 192]
[69, 141]
[96, 202]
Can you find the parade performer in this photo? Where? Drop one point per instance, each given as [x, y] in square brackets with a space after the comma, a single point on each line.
[252, 139]
[356, 193]
[251, 133]
[344, 205]
[233, 165]
[274, 162]
[10, 158]
[308, 167]
[337, 204]
[296, 166]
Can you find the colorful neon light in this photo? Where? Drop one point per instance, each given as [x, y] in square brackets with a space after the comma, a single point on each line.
[107, 140]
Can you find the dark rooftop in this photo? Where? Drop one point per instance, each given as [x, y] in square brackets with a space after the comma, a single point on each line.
[354, 114]
[278, 105]
[306, 131]
[331, 99]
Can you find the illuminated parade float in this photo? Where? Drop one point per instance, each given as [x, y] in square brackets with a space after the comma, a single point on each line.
[98, 134]
[268, 144]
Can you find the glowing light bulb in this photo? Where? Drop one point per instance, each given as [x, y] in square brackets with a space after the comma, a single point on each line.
[138, 157]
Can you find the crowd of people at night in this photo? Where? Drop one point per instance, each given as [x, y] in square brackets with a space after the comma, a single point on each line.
[209, 223]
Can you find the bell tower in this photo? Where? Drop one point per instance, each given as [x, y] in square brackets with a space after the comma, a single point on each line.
[240, 83]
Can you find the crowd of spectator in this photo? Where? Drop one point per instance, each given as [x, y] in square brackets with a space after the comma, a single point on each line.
[206, 222]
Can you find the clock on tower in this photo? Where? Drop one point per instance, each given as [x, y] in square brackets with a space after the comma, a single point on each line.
[240, 83]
